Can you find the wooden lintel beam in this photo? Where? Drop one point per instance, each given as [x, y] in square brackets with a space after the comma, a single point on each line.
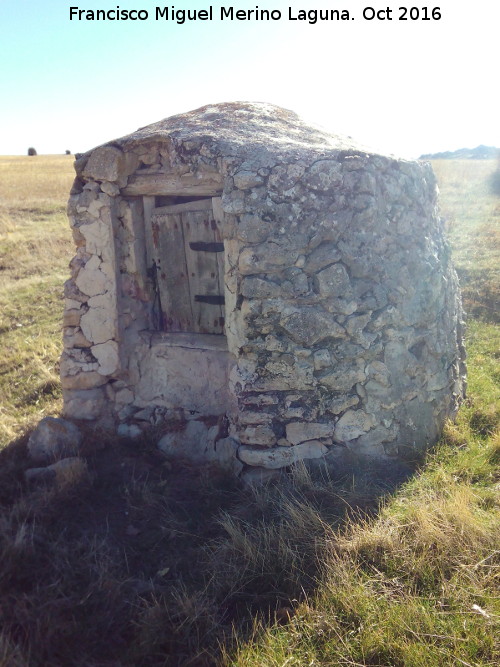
[169, 185]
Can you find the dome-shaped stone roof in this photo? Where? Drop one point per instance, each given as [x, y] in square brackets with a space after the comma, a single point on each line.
[242, 126]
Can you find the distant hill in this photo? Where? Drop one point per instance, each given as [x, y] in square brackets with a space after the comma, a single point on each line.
[478, 153]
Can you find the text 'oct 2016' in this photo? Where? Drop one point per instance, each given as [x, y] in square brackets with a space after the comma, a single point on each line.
[230, 13]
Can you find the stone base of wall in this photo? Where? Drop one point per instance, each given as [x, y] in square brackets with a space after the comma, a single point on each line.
[185, 371]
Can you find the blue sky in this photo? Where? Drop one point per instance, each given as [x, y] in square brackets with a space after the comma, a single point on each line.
[406, 87]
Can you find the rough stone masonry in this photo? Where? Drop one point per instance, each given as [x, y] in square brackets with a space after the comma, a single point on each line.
[337, 324]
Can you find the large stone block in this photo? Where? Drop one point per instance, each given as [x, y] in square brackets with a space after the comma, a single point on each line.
[54, 439]
[72, 317]
[282, 376]
[107, 357]
[257, 288]
[92, 280]
[284, 177]
[297, 432]
[83, 380]
[353, 424]
[73, 337]
[87, 404]
[106, 163]
[258, 435]
[99, 322]
[338, 405]
[252, 229]
[334, 281]
[309, 326]
[343, 377]
[98, 239]
[323, 175]
[266, 258]
[325, 254]
[244, 180]
[180, 377]
[65, 472]
[197, 442]
[280, 457]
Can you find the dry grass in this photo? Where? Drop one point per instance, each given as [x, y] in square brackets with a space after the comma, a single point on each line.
[39, 183]
[416, 586]
[34, 232]
[35, 247]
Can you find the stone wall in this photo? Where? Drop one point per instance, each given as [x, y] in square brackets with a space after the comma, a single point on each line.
[343, 315]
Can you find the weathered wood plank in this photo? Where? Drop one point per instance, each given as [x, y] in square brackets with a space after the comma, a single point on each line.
[217, 225]
[187, 185]
[217, 209]
[194, 341]
[219, 222]
[148, 205]
[197, 205]
[172, 273]
[200, 227]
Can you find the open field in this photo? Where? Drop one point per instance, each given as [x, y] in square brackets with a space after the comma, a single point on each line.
[471, 212]
[35, 247]
[144, 563]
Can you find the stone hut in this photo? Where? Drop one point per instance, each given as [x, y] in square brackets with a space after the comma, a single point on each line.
[261, 292]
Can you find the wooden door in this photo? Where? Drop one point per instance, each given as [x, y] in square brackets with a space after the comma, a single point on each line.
[189, 257]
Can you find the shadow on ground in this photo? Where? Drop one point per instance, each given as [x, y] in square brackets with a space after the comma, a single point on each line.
[146, 562]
